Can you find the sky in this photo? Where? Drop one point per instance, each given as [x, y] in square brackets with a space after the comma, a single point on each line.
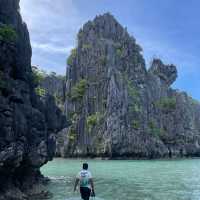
[167, 29]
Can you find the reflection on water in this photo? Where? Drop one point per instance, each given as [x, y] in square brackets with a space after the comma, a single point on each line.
[128, 180]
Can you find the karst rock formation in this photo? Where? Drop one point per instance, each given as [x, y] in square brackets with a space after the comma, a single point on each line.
[28, 124]
[118, 107]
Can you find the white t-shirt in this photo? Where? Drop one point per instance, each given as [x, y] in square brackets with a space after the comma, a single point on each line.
[84, 176]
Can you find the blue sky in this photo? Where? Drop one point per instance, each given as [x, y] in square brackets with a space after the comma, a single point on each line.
[167, 29]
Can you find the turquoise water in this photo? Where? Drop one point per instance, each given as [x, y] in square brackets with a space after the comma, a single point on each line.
[128, 180]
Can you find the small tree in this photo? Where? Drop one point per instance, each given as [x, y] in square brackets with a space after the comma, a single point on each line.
[72, 57]
[38, 75]
[93, 120]
[7, 33]
[78, 90]
[40, 91]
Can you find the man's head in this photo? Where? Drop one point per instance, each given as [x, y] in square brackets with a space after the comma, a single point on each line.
[85, 166]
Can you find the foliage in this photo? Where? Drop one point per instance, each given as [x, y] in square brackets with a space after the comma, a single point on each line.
[134, 107]
[119, 51]
[86, 47]
[72, 135]
[154, 130]
[38, 75]
[61, 77]
[93, 120]
[80, 33]
[72, 57]
[151, 125]
[53, 74]
[78, 90]
[59, 99]
[7, 33]
[138, 48]
[167, 103]
[132, 91]
[102, 60]
[40, 91]
[136, 124]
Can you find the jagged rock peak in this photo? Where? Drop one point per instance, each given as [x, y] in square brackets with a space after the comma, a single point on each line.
[105, 26]
[167, 73]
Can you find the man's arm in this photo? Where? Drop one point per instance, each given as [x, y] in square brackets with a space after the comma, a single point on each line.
[76, 183]
[92, 185]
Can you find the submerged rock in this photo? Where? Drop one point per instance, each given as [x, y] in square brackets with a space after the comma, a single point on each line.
[117, 107]
[27, 123]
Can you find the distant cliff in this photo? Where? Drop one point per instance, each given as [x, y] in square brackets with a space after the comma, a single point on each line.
[54, 85]
[117, 107]
[28, 123]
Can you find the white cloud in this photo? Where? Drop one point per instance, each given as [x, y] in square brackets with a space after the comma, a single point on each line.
[52, 27]
[52, 48]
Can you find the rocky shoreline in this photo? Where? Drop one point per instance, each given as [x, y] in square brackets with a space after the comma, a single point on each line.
[109, 106]
[28, 123]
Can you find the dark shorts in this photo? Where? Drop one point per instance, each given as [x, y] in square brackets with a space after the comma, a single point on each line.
[85, 193]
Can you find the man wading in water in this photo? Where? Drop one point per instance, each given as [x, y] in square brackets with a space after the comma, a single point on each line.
[86, 183]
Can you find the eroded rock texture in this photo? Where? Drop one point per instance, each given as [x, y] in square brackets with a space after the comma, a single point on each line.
[27, 124]
[55, 85]
[118, 107]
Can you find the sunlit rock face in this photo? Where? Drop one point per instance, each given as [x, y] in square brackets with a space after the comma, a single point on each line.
[117, 107]
[27, 124]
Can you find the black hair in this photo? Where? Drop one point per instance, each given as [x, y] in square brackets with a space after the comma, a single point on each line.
[85, 166]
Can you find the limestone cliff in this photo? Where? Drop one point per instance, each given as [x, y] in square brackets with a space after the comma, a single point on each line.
[27, 123]
[54, 85]
[117, 107]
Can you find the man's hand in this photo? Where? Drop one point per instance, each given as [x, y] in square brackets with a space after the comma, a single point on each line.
[92, 193]
[92, 186]
[76, 183]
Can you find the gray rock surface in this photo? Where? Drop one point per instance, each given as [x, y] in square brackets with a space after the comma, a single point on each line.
[27, 123]
[117, 107]
[55, 86]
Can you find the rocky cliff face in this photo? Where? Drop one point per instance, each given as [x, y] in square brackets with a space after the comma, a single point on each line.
[118, 107]
[27, 123]
[55, 85]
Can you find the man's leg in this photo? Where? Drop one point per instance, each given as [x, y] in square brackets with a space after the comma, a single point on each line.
[85, 193]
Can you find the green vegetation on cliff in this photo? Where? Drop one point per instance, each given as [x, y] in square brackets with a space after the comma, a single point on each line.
[72, 135]
[72, 57]
[78, 90]
[103, 60]
[93, 120]
[38, 75]
[135, 124]
[167, 103]
[86, 47]
[40, 91]
[155, 130]
[7, 33]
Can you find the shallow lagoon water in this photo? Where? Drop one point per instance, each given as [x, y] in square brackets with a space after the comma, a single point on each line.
[128, 179]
